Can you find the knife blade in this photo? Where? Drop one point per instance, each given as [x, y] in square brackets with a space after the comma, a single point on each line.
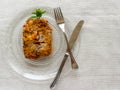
[72, 40]
[75, 33]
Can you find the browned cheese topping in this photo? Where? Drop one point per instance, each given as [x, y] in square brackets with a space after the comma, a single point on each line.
[37, 38]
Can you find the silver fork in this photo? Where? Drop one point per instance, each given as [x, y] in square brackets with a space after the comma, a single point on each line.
[60, 21]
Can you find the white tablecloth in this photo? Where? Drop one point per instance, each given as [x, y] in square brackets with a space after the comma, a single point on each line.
[99, 56]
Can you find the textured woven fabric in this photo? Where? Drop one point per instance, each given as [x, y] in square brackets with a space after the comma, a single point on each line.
[99, 52]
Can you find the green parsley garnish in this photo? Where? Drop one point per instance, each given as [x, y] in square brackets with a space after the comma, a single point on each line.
[37, 14]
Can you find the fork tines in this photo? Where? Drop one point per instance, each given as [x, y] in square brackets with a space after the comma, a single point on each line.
[58, 15]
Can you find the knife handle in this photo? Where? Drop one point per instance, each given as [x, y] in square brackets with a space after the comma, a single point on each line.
[59, 71]
[73, 61]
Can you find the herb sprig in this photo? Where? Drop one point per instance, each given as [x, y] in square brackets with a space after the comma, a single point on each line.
[37, 14]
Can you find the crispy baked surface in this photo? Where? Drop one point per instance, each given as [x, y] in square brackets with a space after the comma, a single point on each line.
[37, 38]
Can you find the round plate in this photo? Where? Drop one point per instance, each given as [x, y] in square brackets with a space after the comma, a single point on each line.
[45, 68]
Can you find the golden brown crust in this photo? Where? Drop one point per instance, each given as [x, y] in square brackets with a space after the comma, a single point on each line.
[37, 38]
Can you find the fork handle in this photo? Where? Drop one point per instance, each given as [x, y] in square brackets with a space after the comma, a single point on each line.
[59, 71]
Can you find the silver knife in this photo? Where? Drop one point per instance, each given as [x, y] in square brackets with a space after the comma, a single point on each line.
[72, 40]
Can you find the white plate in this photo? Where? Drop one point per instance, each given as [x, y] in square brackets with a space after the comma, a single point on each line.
[45, 68]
